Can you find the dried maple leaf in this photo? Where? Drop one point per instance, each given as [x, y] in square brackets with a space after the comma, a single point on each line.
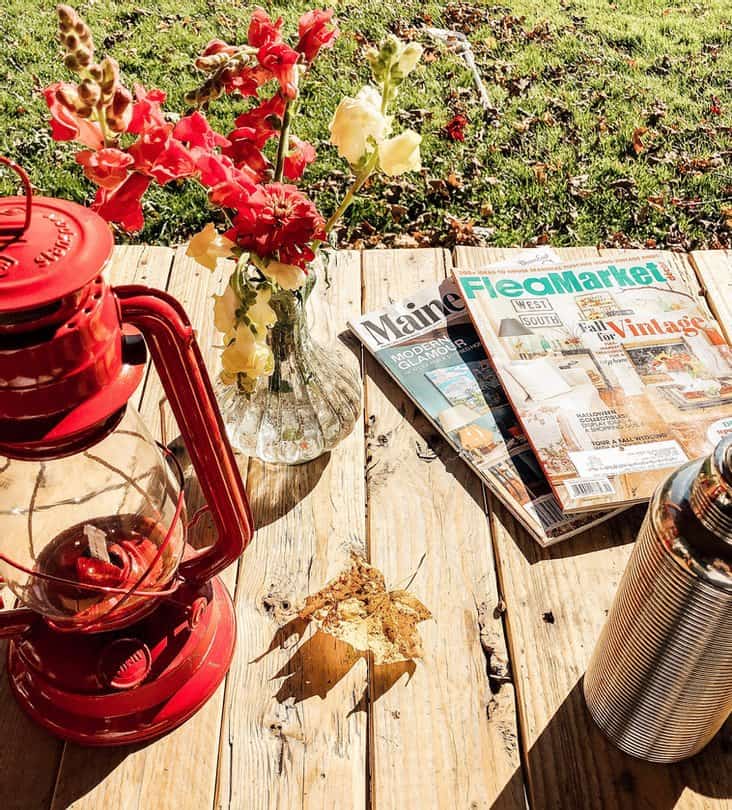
[356, 608]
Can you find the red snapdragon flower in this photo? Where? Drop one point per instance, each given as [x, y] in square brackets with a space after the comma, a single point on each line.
[281, 224]
[146, 110]
[157, 153]
[279, 60]
[124, 204]
[262, 30]
[219, 46]
[229, 187]
[300, 155]
[246, 155]
[108, 168]
[66, 125]
[263, 117]
[316, 31]
[195, 130]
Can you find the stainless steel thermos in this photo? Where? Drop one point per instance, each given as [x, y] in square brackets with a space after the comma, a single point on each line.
[659, 683]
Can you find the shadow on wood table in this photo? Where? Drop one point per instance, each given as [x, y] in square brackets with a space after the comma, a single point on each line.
[319, 662]
[606, 778]
[274, 491]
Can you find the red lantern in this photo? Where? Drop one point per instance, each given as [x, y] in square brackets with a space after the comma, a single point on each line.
[126, 630]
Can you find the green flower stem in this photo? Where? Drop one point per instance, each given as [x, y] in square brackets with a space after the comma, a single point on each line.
[361, 178]
[284, 142]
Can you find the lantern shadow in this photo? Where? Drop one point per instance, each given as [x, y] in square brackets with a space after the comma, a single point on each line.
[321, 661]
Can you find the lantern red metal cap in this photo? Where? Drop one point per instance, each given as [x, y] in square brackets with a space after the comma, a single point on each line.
[67, 366]
[48, 248]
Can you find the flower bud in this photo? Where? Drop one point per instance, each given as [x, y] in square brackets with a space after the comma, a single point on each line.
[71, 62]
[68, 97]
[208, 64]
[95, 72]
[89, 92]
[119, 111]
[73, 31]
[84, 57]
[66, 16]
[110, 77]
[409, 57]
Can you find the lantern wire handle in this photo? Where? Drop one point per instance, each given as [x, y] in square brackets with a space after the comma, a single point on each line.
[14, 230]
[202, 510]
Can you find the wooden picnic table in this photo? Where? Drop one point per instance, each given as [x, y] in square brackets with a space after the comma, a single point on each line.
[302, 721]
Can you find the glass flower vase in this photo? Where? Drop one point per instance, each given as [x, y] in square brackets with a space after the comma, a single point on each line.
[307, 405]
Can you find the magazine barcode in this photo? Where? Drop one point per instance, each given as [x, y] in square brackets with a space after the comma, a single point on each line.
[584, 487]
[548, 511]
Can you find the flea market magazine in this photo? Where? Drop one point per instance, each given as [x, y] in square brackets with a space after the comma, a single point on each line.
[616, 369]
[429, 346]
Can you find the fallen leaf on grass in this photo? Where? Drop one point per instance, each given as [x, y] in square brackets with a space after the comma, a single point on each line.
[638, 145]
[356, 608]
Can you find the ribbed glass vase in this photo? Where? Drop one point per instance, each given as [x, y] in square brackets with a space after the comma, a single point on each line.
[309, 403]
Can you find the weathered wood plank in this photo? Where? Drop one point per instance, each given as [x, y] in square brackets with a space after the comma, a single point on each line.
[440, 738]
[294, 732]
[557, 600]
[148, 776]
[714, 269]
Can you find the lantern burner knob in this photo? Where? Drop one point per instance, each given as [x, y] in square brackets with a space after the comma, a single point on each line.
[124, 663]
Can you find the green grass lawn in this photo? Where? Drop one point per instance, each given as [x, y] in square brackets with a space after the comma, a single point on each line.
[572, 83]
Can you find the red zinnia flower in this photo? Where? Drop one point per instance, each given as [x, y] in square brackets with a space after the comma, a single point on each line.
[283, 227]
[300, 155]
[108, 168]
[316, 31]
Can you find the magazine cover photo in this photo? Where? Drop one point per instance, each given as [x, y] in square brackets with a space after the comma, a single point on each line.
[617, 372]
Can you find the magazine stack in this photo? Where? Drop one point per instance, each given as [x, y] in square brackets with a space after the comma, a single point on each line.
[572, 389]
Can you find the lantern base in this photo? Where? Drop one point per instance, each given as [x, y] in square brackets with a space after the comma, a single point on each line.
[132, 684]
